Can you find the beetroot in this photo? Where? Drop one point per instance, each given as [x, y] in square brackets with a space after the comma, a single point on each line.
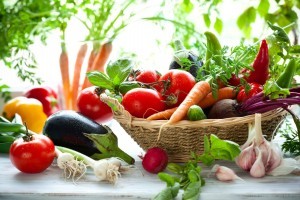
[155, 160]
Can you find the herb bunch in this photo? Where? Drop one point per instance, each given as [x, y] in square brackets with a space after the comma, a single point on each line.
[187, 177]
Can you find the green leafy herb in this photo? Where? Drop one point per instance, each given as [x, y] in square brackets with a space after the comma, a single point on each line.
[188, 175]
[116, 73]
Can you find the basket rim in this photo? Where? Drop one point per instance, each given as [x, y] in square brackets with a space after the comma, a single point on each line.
[123, 116]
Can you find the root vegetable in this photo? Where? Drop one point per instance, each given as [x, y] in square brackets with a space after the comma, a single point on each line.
[105, 169]
[224, 108]
[155, 160]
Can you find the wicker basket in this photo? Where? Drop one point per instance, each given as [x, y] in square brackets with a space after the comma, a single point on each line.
[184, 137]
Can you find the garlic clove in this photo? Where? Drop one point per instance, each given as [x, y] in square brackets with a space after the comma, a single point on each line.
[258, 169]
[275, 157]
[224, 173]
[246, 158]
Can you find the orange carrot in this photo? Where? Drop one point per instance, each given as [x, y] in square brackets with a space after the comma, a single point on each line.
[92, 57]
[64, 70]
[165, 114]
[223, 93]
[102, 57]
[100, 60]
[200, 90]
[77, 72]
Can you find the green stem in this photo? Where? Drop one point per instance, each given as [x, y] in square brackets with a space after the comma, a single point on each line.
[87, 160]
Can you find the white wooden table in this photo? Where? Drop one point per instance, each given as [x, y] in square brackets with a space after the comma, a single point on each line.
[135, 184]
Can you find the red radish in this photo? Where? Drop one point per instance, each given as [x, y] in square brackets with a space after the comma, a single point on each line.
[155, 160]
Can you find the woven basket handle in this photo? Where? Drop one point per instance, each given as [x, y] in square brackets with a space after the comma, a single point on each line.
[120, 110]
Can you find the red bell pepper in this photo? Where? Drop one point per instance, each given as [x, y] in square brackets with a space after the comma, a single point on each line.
[246, 93]
[47, 96]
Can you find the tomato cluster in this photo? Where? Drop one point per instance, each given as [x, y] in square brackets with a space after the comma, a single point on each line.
[164, 91]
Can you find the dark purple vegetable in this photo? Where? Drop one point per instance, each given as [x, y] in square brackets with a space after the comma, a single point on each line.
[185, 59]
[260, 103]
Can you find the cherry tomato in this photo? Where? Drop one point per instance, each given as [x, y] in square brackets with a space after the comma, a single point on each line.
[148, 76]
[179, 83]
[90, 105]
[143, 102]
[33, 154]
[245, 94]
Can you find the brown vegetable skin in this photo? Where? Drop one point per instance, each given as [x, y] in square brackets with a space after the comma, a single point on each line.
[223, 109]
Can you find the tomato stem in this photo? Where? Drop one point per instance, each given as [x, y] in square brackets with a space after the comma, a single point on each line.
[28, 136]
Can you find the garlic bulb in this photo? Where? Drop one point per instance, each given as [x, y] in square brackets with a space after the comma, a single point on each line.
[258, 155]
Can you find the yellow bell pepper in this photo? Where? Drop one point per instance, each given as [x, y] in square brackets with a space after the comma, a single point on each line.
[30, 110]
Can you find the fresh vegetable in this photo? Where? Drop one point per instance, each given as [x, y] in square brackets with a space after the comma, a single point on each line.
[77, 73]
[260, 103]
[214, 49]
[47, 96]
[177, 85]
[73, 130]
[224, 108]
[165, 114]
[195, 113]
[155, 160]
[260, 73]
[258, 155]
[143, 102]
[90, 105]
[64, 70]
[148, 76]
[185, 59]
[222, 93]
[32, 153]
[30, 110]
[199, 91]
[286, 77]
[104, 169]
[248, 91]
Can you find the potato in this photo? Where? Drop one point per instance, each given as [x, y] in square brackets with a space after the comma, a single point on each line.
[223, 109]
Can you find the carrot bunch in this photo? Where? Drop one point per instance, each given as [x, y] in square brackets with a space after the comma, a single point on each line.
[96, 61]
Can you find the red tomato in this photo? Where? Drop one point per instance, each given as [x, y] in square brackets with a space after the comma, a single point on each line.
[244, 94]
[180, 83]
[90, 105]
[143, 102]
[33, 155]
[148, 76]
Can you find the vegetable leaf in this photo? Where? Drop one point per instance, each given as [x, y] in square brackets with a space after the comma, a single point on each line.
[192, 192]
[100, 79]
[119, 70]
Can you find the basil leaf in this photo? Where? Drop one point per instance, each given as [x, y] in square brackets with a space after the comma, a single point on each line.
[119, 70]
[168, 193]
[100, 79]
[192, 192]
[166, 178]
[224, 149]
